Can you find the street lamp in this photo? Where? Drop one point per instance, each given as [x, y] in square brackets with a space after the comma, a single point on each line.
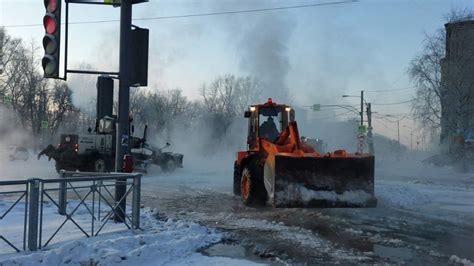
[361, 105]
[369, 118]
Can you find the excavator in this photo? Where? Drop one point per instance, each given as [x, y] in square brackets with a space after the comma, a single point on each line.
[280, 170]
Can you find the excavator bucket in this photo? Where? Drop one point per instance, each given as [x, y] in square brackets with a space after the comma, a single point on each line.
[319, 181]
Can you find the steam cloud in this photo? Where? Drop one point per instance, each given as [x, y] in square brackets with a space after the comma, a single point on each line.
[264, 54]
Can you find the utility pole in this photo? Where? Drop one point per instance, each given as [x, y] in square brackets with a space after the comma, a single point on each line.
[122, 139]
[361, 107]
[411, 137]
[370, 139]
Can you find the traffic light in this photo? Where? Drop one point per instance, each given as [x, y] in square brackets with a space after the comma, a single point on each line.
[52, 37]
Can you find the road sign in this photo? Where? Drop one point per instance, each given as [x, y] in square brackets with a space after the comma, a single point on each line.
[361, 144]
[316, 107]
[44, 124]
[362, 130]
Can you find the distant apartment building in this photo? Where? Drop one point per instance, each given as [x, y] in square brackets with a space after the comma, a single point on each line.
[457, 81]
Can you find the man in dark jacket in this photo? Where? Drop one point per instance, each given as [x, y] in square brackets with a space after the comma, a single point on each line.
[269, 130]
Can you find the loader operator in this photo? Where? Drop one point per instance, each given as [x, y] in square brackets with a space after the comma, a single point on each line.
[269, 130]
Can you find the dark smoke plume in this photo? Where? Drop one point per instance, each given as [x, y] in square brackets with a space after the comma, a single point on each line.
[264, 54]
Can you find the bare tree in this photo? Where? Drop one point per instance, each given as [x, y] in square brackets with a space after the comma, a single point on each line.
[60, 106]
[444, 85]
[227, 97]
[163, 111]
[459, 14]
[230, 95]
[425, 72]
[31, 97]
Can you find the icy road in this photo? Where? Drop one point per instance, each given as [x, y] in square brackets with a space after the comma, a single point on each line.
[424, 217]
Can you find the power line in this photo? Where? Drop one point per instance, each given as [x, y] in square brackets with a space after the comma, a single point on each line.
[393, 114]
[393, 121]
[201, 14]
[332, 116]
[392, 90]
[408, 101]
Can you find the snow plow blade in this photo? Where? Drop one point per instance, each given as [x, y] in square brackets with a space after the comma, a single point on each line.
[320, 182]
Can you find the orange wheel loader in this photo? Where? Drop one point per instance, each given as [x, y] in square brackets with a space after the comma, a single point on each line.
[279, 170]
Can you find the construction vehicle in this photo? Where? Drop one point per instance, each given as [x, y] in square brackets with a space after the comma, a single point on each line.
[95, 151]
[279, 170]
[145, 154]
[317, 144]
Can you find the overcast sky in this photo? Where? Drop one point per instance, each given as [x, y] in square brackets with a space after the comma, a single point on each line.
[319, 53]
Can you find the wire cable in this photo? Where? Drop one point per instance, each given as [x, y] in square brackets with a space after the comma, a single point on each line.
[200, 14]
[408, 101]
[331, 116]
[392, 90]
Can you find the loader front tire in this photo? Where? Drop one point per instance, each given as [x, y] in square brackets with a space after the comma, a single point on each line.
[252, 190]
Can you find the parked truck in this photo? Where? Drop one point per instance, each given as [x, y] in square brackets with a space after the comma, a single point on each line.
[95, 151]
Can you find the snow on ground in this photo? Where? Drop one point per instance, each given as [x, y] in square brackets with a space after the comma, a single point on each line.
[295, 236]
[433, 192]
[20, 170]
[437, 192]
[162, 242]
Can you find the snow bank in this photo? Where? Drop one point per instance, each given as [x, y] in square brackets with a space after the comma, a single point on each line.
[458, 261]
[299, 193]
[162, 241]
[430, 191]
[444, 201]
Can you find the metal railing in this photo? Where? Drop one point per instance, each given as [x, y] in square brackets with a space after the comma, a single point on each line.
[92, 191]
[17, 194]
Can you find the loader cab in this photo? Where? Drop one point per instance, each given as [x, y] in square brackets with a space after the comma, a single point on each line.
[267, 121]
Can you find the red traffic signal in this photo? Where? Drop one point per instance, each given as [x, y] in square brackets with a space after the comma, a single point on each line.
[50, 23]
[51, 5]
[51, 40]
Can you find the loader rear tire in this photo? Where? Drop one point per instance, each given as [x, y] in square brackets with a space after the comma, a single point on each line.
[236, 179]
[253, 192]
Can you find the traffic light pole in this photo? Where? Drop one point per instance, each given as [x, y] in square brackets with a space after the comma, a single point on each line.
[122, 140]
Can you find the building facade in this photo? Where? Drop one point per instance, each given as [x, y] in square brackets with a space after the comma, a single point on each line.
[457, 81]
